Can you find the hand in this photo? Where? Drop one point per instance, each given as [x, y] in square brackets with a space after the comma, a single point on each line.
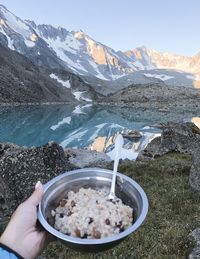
[21, 234]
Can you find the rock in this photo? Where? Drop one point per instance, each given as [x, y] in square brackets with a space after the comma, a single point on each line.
[151, 150]
[6, 148]
[194, 178]
[178, 137]
[131, 134]
[196, 252]
[22, 167]
[85, 158]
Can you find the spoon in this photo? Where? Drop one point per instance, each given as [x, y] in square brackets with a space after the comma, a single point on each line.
[119, 141]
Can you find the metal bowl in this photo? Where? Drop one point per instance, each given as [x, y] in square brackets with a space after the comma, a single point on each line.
[126, 189]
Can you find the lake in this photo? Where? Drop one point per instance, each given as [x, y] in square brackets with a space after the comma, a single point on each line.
[85, 126]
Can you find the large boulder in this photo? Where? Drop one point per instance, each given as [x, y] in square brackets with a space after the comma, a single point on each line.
[22, 167]
[86, 158]
[177, 137]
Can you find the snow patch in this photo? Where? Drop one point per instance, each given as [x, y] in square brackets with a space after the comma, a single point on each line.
[96, 68]
[147, 128]
[73, 136]
[86, 106]
[16, 24]
[64, 83]
[163, 77]
[86, 99]
[78, 96]
[125, 154]
[78, 110]
[190, 77]
[74, 66]
[29, 44]
[114, 77]
[66, 120]
[70, 44]
[10, 41]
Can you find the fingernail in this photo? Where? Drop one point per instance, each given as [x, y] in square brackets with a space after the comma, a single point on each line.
[37, 184]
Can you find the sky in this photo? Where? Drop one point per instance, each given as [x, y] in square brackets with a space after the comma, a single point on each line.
[164, 25]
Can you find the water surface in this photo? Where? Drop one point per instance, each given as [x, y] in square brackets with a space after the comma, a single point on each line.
[82, 126]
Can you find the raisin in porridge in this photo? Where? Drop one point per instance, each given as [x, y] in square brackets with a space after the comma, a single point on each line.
[89, 214]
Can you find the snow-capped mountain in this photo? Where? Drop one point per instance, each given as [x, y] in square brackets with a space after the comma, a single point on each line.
[52, 47]
[151, 59]
[58, 48]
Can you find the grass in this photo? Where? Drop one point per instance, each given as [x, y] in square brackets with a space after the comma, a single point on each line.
[174, 212]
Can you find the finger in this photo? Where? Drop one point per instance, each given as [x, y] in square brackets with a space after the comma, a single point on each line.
[36, 197]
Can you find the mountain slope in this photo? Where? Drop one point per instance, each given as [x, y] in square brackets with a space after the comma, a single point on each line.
[22, 81]
[83, 55]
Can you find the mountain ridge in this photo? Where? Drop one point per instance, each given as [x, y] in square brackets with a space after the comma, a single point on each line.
[75, 51]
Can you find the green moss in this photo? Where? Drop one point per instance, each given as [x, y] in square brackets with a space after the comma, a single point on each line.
[174, 212]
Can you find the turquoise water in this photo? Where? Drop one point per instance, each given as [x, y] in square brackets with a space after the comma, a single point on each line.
[77, 127]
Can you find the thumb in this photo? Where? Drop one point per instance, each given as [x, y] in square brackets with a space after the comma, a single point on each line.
[36, 196]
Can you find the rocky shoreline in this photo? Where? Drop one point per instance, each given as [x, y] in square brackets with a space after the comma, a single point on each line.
[154, 95]
[168, 170]
[30, 104]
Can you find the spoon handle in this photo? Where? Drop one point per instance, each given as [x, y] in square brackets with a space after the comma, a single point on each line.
[116, 162]
[118, 145]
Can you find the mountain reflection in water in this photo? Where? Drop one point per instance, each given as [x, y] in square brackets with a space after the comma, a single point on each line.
[84, 126]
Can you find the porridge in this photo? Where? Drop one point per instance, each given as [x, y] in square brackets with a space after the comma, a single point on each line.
[89, 213]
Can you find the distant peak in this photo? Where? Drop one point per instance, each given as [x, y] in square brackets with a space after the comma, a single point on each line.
[49, 26]
[143, 48]
[79, 34]
[82, 35]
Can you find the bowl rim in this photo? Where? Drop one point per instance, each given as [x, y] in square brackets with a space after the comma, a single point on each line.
[100, 241]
